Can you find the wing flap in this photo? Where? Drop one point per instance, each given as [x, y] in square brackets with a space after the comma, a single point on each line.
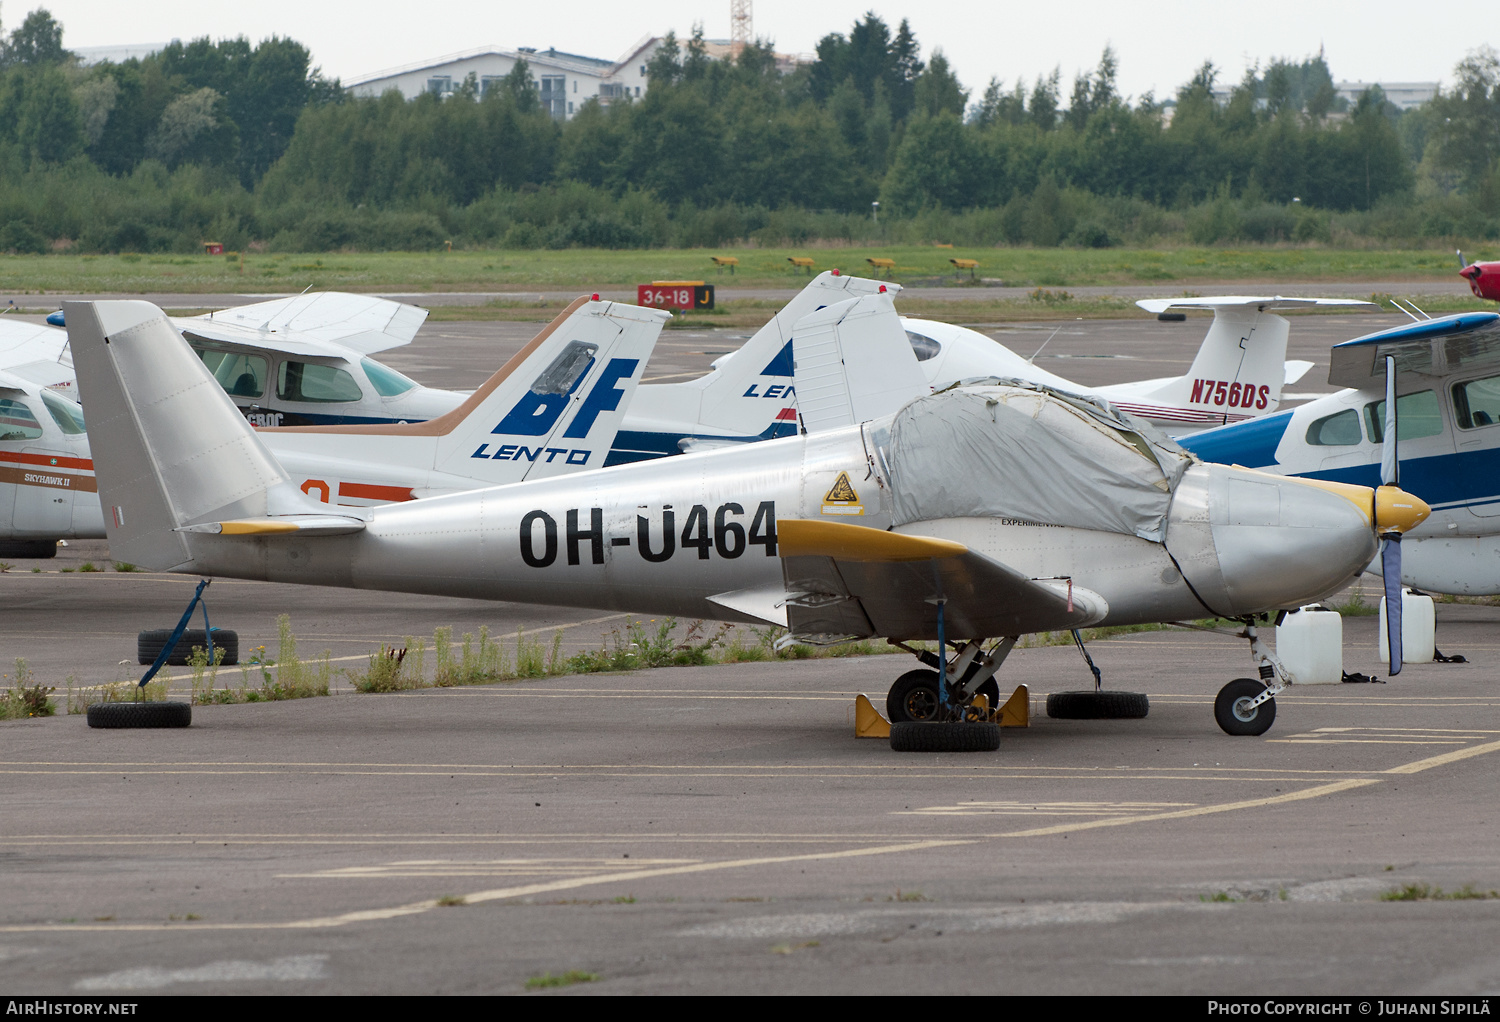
[281, 525]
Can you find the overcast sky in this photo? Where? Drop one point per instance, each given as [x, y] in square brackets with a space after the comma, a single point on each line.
[1159, 44]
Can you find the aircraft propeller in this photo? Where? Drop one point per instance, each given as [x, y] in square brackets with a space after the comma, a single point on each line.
[1390, 537]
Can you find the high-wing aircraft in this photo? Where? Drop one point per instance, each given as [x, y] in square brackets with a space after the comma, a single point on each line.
[984, 511]
[1237, 374]
[46, 474]
[1448, 418]
[305, 361]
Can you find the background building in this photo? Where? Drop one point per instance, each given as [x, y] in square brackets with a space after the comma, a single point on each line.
[566, 80]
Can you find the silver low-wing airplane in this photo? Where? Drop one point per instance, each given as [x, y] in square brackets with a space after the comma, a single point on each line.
[987, 511]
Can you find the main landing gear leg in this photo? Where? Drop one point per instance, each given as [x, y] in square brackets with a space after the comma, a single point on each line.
[1247, 706]
[930, 712]
[1098, 704]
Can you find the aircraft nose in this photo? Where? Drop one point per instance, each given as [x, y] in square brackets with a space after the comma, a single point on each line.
[1276, 542]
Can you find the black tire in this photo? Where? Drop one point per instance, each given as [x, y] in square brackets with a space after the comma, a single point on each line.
[1102, 705]
[914, 697]
[35, 549]
[118, 715]
[1234, 721]
[944, 736]
[148, 645]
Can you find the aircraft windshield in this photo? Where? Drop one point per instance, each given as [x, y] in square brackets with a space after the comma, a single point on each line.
[924, 347]
[386, 381]
[239, 374]
[67, 414]
[17, 422]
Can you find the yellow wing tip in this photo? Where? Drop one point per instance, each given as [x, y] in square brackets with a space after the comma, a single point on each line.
[801, 537]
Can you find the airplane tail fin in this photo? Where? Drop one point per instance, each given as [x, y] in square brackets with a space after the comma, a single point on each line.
[557, 405]
[1240, 367]
[749, 393]
[170, 450]
[854, 363]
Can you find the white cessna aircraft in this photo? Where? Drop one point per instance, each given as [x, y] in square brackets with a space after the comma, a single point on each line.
[975, 505]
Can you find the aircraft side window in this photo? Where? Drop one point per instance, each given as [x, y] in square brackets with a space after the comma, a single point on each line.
[924, 347]
[310, 381]
[1338, 430]
[67, 414]
[240, 375]
[17, 422]
[1477, 403]
[1417, 415]
[386, 381]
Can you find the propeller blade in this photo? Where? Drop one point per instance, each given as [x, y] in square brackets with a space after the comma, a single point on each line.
[1390, 567]
[1390, 463]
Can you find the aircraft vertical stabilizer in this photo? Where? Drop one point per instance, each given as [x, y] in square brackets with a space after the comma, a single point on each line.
[750, 393]
[854, 363]
[179, 451]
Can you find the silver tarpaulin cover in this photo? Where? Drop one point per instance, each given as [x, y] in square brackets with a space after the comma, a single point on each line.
[1008, 450]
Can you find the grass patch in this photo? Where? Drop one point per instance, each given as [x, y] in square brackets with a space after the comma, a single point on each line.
[786, 949]
[592, 269]
[566, 979]
[1355, 606]
[451, 901]
[901, 895]
[1424, 892]
[24, 697]
[125, 566]
[624, 899]
[1221, 896]
[87, 566]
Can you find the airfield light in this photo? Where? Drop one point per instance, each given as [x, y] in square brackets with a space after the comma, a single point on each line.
[594, 296]
[882, 289]
[835, 271]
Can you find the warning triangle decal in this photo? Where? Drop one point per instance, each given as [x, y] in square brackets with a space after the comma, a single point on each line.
[842, 491]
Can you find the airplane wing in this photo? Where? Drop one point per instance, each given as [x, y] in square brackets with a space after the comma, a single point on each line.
[362, 322]
[848, 581]
[1434, 347]
[853, 363]
[36, 353]
[1263, 303]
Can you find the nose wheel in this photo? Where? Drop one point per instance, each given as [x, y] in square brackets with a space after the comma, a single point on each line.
[1240, 711]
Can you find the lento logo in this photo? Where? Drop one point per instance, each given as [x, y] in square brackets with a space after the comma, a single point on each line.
[781, 365]
[539, 409]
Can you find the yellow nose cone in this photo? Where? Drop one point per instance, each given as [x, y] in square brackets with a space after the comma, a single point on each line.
[1398, 511]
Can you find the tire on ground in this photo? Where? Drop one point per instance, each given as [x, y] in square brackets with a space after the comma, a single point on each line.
[1102, 705]
[1234, 721]
[155, 714]
[944, 736]
[914, 696]
[40, 549]
[148, 645]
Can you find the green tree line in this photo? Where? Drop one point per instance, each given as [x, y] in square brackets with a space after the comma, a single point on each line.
[252, 145]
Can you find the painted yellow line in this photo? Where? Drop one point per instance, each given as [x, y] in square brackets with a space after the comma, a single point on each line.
[558, 768]
[1363, 741]
[1182, 814]
[495, 894]
[1444, 759]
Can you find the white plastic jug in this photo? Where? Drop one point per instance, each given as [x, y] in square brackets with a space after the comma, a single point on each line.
[1310, 645]
[1418, 629]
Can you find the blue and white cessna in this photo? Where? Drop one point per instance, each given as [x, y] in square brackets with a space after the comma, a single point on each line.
[1448, 427]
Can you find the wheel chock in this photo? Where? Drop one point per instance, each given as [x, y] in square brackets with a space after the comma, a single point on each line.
[1017, 709]
[868, 723]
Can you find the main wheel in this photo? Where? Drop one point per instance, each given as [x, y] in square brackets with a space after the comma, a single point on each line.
[944, 736]
[1234, 718]
[121, 715]
[1100, 705]
[914, 696]
[39, 549]
[148, 645]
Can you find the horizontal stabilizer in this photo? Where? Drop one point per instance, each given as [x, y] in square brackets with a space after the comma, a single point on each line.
[1296, 368]
[302, 324]
[1260, 304]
